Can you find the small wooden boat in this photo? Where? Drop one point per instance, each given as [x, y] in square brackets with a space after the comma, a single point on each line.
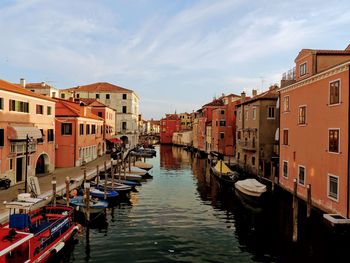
[95, 206]
[250, 187]
[130, 176]
[224, 173]
[120, 188]
[100, 193]
[127, 182]
[143, 165]
[35, 235]
[134, 170]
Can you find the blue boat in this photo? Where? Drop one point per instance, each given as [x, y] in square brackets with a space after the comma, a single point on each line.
[127, 182]
[95, 207]
[100, 193]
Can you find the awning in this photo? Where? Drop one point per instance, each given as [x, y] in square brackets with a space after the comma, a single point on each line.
[21, 132]
[115, 140]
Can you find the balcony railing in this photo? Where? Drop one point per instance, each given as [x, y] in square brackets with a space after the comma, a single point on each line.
[247, 145]
[289, 75]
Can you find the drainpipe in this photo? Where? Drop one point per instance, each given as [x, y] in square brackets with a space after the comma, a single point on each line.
[348, 179]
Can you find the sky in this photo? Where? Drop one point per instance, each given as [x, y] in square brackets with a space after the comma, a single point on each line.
[175, 54]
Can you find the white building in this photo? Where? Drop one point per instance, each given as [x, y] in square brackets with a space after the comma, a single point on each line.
[41, 88]
[124, 101]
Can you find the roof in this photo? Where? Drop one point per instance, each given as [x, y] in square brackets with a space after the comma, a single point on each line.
[215, 102]
[73, 109]
[271, 94]
[93, 103]
[304, 51]
[171, 117]
[99, 86]
[39, 85]
[7, 86]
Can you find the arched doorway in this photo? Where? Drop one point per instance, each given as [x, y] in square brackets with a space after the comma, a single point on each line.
[42, 164]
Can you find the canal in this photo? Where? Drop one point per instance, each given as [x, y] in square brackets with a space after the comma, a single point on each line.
[183, 215]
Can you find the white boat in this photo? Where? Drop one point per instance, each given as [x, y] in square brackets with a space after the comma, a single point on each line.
[135, 170]
[250, 187]
[143, 165]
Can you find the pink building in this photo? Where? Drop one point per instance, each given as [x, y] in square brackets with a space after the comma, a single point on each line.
[314, 129]
[79, 136]
[24, 114]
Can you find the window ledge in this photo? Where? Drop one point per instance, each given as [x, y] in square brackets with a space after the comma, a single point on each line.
[303, 185]
[333, 199]
[336, 153]
[302, 124]
[334, 104]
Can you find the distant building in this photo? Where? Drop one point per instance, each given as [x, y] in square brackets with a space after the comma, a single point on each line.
[25, 115]
[40, 88]
[186, 121]
[257, 123]
[124, 101]
[183, 138]
[168, 125]
[314, 129]
[79, 136]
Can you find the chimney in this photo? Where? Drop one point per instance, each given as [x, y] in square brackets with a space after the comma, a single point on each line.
[22, 82]
[243, 96]
[43, 84]
[254, 93]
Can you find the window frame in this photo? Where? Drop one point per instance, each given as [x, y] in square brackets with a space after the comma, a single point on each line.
[2, 103]
[305, 115]
[81, 128]
[287, 163]
[126, 109]
[304, 67]
[49, 110]
[334, 129]
[268, 112]
[62, 129]
[329, 175]
[125, 96]
[2, 138]
[284, 141]
[254, 113]
[339, 93]
[50, 135]
[286, 106]
[302, 166]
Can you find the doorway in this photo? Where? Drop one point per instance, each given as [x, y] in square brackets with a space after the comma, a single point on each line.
[19, 169]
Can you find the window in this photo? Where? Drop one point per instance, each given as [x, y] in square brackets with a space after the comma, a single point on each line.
[50, 135]
[124, 125]
[271, 112]
[99, 114]
[108, 96]
[11, 164]
[2, 137]
[222, 112]
[239, 115]
[41, 140]
[66, 129]
[49, 110]
[63, 96]
[1, 103]
[53, 94]
[124, 109]
[333, 135]
[222, 123]
[334, 92]
[87, 129]
[239, 135]
[333, 187]
[285, 169]
[19, 106]
[286, 104]
[301, 175]
[285, 137]
[254, 113]
[302, 115]
[39, 109]
[238, 155]
[93, 129]
[303, 69]
[97, 96]
[222, 135]
[77, 95]
[253, 160]
[124, 96]
[81, 129]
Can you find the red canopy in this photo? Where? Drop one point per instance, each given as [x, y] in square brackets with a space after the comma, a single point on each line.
[115, 140]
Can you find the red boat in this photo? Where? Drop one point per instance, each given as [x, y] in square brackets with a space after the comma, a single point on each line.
[35, 236]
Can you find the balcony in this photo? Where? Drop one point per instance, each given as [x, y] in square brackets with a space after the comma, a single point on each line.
[247, 145]
[20, 147]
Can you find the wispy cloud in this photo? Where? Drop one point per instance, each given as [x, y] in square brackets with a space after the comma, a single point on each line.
[176, 53]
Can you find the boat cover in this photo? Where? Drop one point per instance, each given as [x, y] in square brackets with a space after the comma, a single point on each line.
[225, 169]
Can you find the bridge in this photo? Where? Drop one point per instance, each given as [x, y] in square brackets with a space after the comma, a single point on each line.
[149, 138]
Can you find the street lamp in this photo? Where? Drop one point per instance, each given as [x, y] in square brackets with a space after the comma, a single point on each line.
[28, 140]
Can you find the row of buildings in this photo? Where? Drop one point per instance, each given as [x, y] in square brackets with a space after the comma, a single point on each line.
[300, 128]
[42, 127]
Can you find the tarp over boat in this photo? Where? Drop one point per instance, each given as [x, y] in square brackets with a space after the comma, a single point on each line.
[222, 167]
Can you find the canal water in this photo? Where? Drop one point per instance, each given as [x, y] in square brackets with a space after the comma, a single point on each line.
[183, 215]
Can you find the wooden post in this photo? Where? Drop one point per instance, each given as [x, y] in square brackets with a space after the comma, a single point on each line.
[112, 175]
[98, 175]
[134, 159]
[129, 163]
[54, 182]
[309, 202]
[84, 180]
[119, 167]
[87, 201]
[67, 190]
[295, 212]
[220, 167]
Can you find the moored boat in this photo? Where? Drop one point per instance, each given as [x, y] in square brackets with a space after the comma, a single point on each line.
[224, 173]
[251, 188]
[100, 194]
[95, 206]
[35, 235]
[143, 165]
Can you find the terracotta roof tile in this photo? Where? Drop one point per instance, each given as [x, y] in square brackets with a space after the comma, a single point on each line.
[272, 93]
[5, 85]
[75, 109]
[99, 86]
[215, 102]
[40, 85]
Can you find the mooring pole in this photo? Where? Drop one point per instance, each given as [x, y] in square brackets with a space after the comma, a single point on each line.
[112, 174]
[54, 182]
[67, 190]
[309, 202]
[98, 175]
[124, 169]
[84, 180]
[87, 201]
[295, 211]
[129, 163]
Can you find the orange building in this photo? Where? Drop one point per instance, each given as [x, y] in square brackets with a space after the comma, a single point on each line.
[314, 129]
[168, 125]
[24, 114]
[79, 136]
